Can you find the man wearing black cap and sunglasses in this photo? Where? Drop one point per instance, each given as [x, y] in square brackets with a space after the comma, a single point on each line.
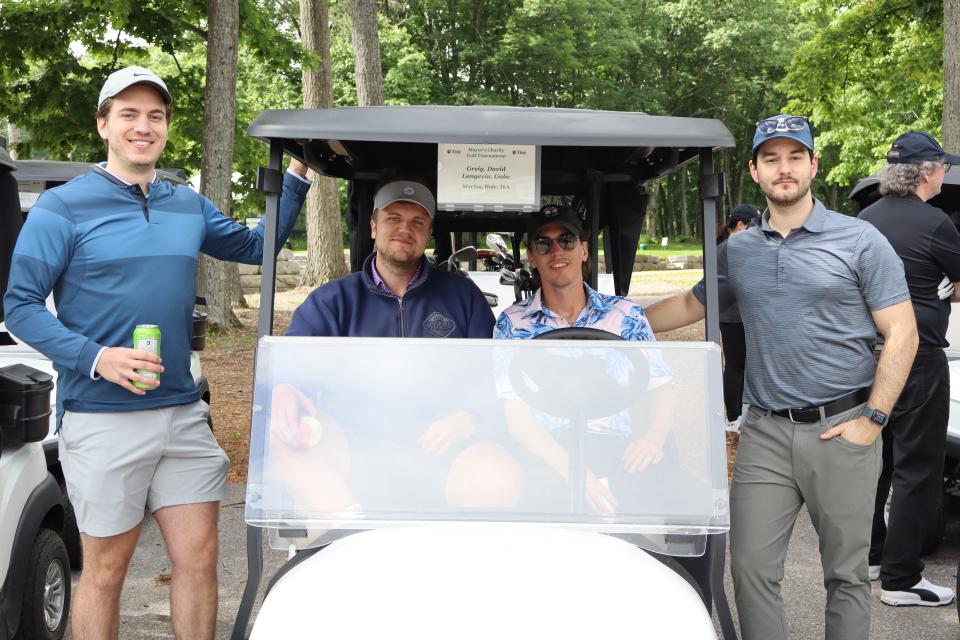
[913, 443]
[558, 253]
[814, 288]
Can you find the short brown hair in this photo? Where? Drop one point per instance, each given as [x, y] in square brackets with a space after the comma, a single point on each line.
[104, 110]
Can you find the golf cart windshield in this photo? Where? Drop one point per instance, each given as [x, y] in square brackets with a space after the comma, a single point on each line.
[368, 450]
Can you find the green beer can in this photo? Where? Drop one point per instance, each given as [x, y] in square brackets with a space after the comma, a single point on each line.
[146, 337]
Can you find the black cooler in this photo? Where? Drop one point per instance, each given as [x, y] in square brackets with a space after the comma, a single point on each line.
[24, 404]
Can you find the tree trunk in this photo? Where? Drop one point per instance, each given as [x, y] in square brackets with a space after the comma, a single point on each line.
[684, 219]
[13, 139]
[325, 259]
[951, 75]
[366, 52]
[219, 282]
[653, 186]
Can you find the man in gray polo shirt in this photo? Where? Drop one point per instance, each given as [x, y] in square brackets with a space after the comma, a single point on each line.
[814, 287]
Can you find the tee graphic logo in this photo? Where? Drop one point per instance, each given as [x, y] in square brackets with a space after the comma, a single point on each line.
[438, 325]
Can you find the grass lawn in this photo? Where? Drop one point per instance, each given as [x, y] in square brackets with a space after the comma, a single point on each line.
[672, 248]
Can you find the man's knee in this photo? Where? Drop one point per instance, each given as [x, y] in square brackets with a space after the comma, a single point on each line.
[753, 567]
[198, 554]
[484, 475]
[105, 564]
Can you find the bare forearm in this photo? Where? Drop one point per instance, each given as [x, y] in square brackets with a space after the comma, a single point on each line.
[525, 428]
[679, 311]
[662, 420]
[899, 349]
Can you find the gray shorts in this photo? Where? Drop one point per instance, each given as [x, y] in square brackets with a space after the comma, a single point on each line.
[115, 464]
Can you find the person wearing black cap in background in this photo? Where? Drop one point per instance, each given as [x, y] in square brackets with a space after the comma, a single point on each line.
[913, 442]
[734, 343]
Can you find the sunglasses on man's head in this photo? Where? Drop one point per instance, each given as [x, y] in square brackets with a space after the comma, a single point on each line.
[793, 123]
[542, 244]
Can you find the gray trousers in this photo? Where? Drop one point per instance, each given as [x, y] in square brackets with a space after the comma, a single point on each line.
[779, 467]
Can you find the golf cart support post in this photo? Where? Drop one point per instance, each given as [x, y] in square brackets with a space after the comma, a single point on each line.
[603, 158]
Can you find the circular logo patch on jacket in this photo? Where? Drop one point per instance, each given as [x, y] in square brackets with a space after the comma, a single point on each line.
[438, 325]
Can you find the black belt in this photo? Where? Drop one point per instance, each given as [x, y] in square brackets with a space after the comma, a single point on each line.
[812, 414]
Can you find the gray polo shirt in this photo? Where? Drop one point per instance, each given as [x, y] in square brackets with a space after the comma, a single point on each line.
[806, 303]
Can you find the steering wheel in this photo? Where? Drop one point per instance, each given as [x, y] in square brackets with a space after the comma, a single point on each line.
[552, 380]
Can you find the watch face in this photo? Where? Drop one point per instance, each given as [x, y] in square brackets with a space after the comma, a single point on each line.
[879, 417]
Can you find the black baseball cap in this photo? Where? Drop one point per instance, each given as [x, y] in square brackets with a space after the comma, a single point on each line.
[743, 213]
[917, 146]
[566, 217]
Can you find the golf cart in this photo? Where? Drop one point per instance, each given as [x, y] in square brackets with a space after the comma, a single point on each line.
[32, 178]
[34, 568]
[382, 540]
[865, 193]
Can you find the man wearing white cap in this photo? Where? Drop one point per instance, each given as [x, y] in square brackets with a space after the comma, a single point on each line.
[118, 248]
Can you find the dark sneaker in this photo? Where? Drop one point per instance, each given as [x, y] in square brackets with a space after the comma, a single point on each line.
[922, 594]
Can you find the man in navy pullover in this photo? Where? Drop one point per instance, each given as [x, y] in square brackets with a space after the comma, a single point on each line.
[397, 294]
[118, 248]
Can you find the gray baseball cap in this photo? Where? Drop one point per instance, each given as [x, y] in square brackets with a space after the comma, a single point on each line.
[405, 191]
[125, 78]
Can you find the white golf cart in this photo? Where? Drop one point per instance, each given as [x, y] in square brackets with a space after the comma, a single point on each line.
[34, 568]
[384, 540]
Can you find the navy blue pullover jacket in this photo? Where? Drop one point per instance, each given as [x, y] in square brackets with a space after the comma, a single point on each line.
[440, 304]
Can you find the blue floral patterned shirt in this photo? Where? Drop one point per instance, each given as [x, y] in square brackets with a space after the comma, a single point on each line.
[616, 314]
[529, 318]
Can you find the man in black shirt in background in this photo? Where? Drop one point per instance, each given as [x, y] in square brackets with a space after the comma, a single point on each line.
[913, 442]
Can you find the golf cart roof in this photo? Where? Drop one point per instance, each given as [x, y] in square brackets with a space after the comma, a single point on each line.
[350, 141]
[36, 176]
[600, 159]
[63, 171]
[867, 191]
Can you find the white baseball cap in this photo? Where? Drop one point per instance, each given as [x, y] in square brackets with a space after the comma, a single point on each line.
[119, 81]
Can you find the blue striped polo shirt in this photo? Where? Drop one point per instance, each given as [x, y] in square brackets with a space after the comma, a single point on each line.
[806, 302]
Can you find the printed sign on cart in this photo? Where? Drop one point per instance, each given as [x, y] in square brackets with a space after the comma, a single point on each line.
[499, 177]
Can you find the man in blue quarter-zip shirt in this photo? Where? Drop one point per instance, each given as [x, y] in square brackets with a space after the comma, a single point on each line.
[118, 248]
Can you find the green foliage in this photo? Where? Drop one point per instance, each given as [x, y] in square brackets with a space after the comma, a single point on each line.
[873, 71]
[57, 54]
[406, 74]
[864, 71]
